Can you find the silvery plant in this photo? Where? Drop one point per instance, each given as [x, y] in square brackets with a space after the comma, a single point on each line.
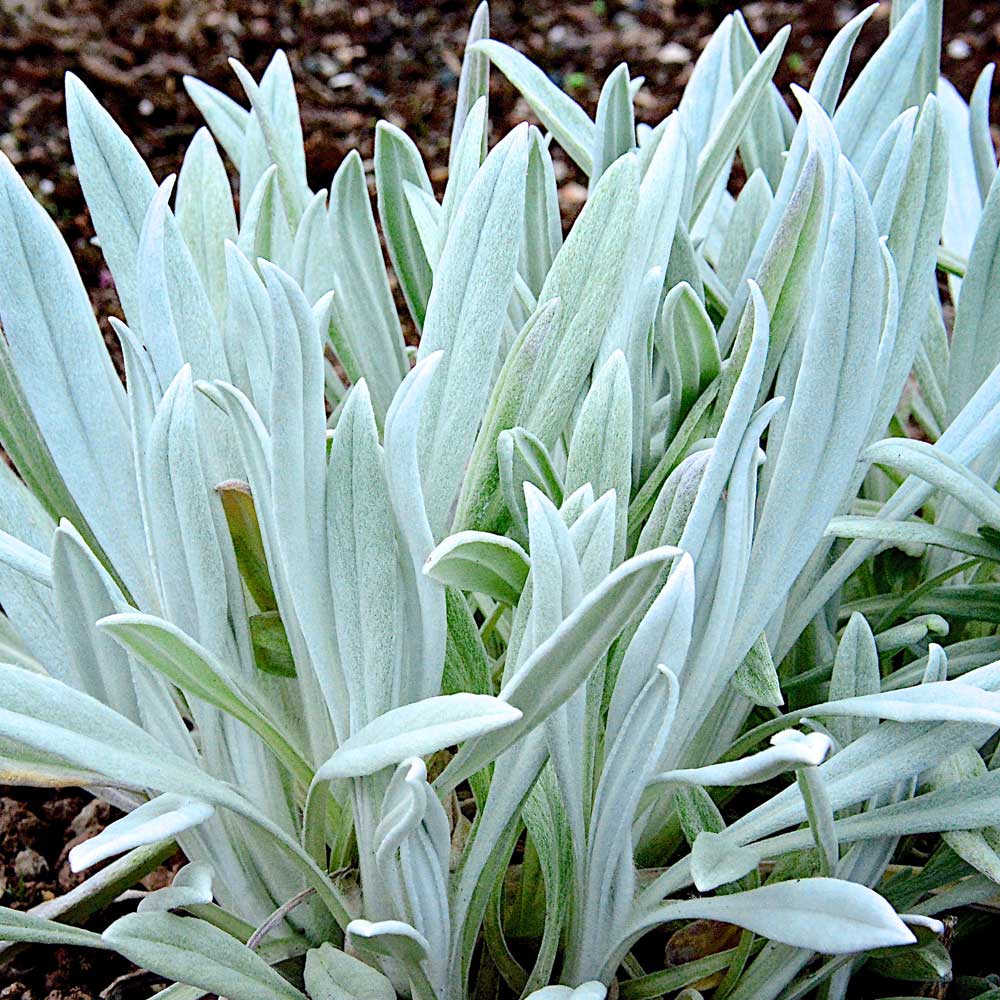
[659, 583]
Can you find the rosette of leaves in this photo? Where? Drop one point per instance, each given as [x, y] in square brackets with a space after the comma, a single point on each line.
[659, 586]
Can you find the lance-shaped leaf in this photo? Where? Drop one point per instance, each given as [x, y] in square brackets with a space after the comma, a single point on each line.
[614, 132]
[586, 277]
[15, 925]
[162, 818]
[975, 346]
[426, 636]
[397, 160]
[830, 73]
[610, 873]
[332, 974]
[117, 185]
[749, 214]
[248, 331]
[265, 231]
[550, 675]
[686, 338]
[196, 671]
[978, 847]
[477, 561]
[600, 452]
[827, 915]
[67, 377]
[363, 311]
[556, 110]
[274, 134]
[983, 154]
[480, 503]
[855, 673]
[473, 81]
[178, 324]
[717, 154]
[881, 89]
[464, 163]
[369, 599]
[951, 808]
[417, 729]
[543, 234]
[663, 636]
[205, 215]
[195, 952]
[22, 440]
[272, 652]
[465, 314]
[227, 119]
[757, 677]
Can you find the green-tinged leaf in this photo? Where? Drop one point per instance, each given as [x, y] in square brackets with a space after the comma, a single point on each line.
[194, 952]
[272, 652]
[586, 277]
[918, 963]
[265, 231]
[244, 529]
[480, 562]
[686, 339]
[979, 848]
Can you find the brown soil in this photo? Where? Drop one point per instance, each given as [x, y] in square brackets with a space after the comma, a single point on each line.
[353, 63]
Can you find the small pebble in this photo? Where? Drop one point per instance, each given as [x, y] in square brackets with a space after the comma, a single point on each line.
[29, 864]
[959, 48]
[673, 54]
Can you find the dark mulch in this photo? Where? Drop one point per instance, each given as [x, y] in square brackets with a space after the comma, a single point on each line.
[354, 64]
